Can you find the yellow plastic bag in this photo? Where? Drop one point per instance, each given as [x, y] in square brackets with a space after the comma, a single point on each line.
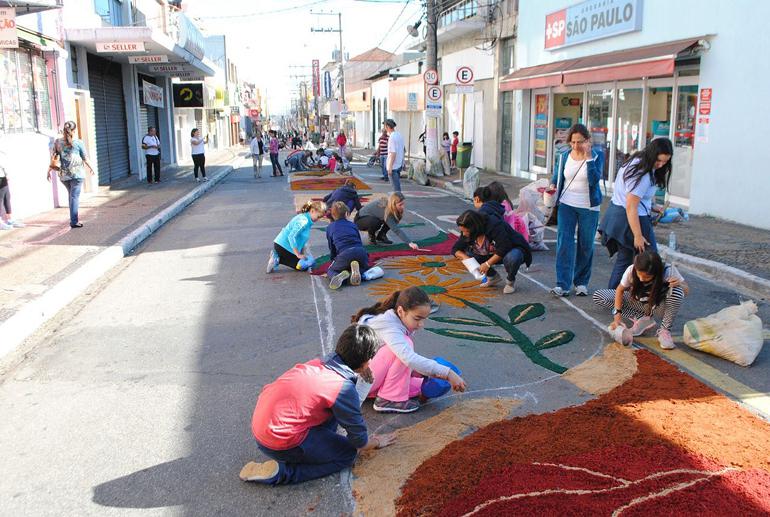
[734, 333]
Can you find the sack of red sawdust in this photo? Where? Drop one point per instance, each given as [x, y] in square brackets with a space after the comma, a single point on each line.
[734, 333]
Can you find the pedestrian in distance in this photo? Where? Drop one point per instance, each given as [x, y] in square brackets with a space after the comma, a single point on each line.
[347, 193]
[380, 216]
[198, 144]
[335, 162]
[290, 246]
[647, 288]
[296, 417]
[342, 143]
[446, 145]
[7, 222]
[346, 251]
[485, 236]
[576, 179]
[453, 149]
[70, 160]
[398, 370]
[274, 147]
[382, 151]
[626, 228]
[151, 146]
[257, 149]
[395, 161]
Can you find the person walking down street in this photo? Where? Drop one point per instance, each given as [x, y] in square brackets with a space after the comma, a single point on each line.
[257, 149]
[290, 246]
[7, 222]
[274, 147]
[626, 228]
[151, 146]
[382, 151]
[73, 161]
[296, 417]
[398, 370]
[198, 144]
[342, 143]
[485, 236]
[395, 161]
[382, 215]
[453, 149]
[578, 173]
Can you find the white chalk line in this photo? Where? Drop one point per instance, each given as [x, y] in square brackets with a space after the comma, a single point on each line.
[327, 339]
[437, 227]
[318, 316]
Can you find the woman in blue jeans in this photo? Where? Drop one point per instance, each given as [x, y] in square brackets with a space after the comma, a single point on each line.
[577, 173]
[73, 161]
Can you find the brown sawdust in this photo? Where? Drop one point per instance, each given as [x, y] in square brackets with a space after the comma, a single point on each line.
[605, 372]
[378, 475]
[659, 405]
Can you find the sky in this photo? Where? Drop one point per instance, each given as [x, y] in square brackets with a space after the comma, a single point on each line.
[270, 40]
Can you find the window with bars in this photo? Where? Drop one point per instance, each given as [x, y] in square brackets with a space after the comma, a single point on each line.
[25, 104]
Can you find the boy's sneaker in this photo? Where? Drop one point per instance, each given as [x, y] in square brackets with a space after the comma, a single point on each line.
[558, 291]
[388, 406]
[205, 178]
[642, 325]
[272, 262]
[509, 287]
[665, 340]
[492, 281]
[336, 281]
[264, 472]
[355, 273]
[581, 290]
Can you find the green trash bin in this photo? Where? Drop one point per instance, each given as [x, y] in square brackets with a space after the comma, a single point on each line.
[464, 155]
[315, 138]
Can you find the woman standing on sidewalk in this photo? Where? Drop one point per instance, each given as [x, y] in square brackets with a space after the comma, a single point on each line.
[577, 174]
[274, 147]
[71, 154]
[627, 226]
[198, 144]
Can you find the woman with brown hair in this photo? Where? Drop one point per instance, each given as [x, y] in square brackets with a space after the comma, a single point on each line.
[380, 216]
[70, 153]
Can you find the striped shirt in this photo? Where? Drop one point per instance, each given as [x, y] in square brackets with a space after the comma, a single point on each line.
[383, 145]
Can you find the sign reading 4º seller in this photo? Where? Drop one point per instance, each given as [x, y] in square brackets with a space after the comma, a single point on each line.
[592, 20]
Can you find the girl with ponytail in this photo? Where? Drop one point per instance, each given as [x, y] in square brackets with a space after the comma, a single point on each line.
[290, 246]
[398, 370]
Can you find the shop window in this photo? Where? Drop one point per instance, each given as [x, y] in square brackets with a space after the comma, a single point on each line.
[506, 56]
[567, 110]
[629, 122]
[24, 99]
[684, 140]
[540, 130]
[109, 11]
[600, 123]
[658, 112]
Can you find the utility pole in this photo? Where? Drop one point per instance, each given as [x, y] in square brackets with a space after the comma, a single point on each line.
[432, 160]
[341, 56]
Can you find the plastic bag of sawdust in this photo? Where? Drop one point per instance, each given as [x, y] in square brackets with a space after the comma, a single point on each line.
[734, 333]
[418, 173]
[470, 181]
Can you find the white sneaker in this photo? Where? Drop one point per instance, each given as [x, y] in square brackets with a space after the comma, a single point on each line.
[492, 281]
[4, 226]
[272, 262]
[642, 325]
[355, 273]
[509, 287]
[581, 290]
[558, 291]
[197, 180]
[205, 179]
[665, 340]
[260, 472]
[336, 281]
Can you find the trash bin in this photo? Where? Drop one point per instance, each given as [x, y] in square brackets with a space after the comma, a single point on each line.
[464, 155]
[315, 138]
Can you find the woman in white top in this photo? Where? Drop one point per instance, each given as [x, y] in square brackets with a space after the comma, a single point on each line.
[198, 144]
[577, 174]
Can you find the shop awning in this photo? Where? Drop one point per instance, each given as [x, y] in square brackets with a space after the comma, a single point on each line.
[651, 61]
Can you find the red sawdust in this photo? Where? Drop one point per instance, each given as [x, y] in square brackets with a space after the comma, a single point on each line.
[326, 183]
[658, 420]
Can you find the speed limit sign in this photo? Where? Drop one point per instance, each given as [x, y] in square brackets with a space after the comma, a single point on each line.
[430, 76]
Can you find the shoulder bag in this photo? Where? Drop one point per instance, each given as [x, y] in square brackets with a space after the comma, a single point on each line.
[553, 219]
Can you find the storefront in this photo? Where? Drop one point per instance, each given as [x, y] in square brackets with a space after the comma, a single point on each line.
[634, 70]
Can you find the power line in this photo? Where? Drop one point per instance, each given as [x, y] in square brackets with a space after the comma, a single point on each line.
[274, 11]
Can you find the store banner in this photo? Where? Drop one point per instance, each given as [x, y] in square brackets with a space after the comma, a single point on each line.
[152, 94]
[8, 36]
[591, 20]
[316, 78]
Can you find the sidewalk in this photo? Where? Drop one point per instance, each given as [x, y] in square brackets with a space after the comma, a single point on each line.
[705, 244]
[45, 265]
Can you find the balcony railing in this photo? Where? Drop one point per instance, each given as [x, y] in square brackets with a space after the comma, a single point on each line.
[459, 11]
[32, 6]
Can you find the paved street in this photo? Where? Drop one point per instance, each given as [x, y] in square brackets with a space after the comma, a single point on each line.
[138, 399]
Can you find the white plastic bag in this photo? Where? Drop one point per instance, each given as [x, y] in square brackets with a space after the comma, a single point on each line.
[734, 333]
[470, 181]
[418, 173]
[472, 265]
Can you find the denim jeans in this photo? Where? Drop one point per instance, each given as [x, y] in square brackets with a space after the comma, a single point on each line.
[574, 268]
[395, 180]
[384, 166]
[625, 257]
[321, 453]
[512, 261]
[73, 187]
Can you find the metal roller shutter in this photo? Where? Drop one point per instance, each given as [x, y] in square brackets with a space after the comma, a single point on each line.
[106, 86]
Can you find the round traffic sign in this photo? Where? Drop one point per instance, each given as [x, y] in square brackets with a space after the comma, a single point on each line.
[434, 93]
[464, 75]
[430, 76]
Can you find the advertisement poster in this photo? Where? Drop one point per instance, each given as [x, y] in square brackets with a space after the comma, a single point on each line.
[541, 129]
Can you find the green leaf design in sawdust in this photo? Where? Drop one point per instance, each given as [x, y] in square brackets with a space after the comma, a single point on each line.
[525, 312]
[554, 339]
[463, 321]
[469, 335]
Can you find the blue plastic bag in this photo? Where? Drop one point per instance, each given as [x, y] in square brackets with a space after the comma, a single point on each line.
[432, 387]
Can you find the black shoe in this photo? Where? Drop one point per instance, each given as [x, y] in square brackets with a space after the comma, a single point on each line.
[383, 239]
[372, 239]
[77, 225]
[384, 179]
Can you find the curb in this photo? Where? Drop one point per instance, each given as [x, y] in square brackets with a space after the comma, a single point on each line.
[34, 314]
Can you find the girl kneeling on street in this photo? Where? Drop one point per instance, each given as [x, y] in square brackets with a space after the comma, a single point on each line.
[346, 251]
[398, 370]
[296, 417]
[289, 247]
[647, 287]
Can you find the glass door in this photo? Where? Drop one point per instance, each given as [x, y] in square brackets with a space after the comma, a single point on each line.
[567, 110]
[539, 148]
[684, 136]
[507, 132]
[600, 119]
[628, 134]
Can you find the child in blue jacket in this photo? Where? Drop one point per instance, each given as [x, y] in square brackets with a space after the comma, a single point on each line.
[346, 249]
[289, 248]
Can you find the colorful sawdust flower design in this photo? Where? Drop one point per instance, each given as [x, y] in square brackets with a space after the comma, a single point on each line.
[450, 291]
[443, 265]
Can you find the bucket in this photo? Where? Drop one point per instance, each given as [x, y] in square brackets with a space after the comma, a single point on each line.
[549, 198]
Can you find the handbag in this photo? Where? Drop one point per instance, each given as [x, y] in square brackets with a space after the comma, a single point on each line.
[553, 218]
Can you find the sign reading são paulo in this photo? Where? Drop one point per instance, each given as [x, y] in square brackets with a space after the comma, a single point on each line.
[592, 20]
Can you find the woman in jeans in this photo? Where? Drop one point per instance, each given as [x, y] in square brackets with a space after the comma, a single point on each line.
[577, 173]
[73, 161]
[274, 146]
[198, 144]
